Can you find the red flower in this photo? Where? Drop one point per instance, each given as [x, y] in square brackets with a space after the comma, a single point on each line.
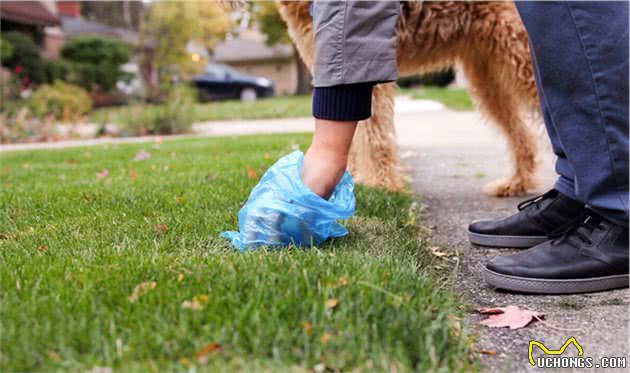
[18, 69]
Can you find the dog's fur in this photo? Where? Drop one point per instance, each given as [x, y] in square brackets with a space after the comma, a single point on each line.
[487, 41]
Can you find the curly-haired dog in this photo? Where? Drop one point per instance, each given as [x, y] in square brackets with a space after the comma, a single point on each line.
[487, 41]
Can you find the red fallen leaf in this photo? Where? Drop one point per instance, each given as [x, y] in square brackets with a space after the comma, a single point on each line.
[487, 352]
[103, 174]
[251, 173]
[132, 173]
[509, 317]
[206, 350]
[71, 161]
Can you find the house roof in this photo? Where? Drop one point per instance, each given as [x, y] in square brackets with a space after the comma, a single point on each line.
[28, 12]
[250, 45]
[75, 26]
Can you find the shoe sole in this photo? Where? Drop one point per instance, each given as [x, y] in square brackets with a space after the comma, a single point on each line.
[519, 242]
[553, 286]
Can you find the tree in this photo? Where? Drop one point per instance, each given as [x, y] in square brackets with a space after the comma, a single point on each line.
[171, 25]
[266, 16]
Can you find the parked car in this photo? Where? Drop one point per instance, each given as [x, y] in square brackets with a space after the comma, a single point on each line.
[221, 82]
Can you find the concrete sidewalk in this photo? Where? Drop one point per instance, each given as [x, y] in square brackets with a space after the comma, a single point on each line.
[451, 160]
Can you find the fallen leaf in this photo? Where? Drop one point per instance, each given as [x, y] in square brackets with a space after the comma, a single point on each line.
[132, 173]
[307, 327]
[141, 289]
[436, 251]
[71, 161]
[26, 165]
[487, 352]
[52, 355]
[202, 354]
[331, 303]
[141, 155]
[43, 248]
[197, 303]
[161, 228]
[184, 362]
[251, 173]
[180, 277]
[343, 281]
[325, 338]
[511, 317]
[266, 155]
[103, 174]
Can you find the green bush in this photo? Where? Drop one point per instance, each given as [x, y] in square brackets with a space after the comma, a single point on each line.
[61, 101]
[6, 50]
[25, 57]
[93, 62]
[174, 116]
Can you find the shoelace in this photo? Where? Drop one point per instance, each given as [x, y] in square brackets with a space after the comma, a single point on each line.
[581, 230]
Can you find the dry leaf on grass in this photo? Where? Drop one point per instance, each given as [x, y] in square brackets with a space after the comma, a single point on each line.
[511, 317]
[103, 174]
[325, 338]
[436, 251]
[132, 173]
[43, 248]
[142, 289]
[210, 348]
[161, 228]
[197, 303]
[331, 303]
[251, 173]
[307, 327]
[142, 155]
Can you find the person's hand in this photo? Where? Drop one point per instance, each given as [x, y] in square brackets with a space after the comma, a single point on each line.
[326, 159]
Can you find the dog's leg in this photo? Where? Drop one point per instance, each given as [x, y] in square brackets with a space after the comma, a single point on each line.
[499, 101]
[373, 156]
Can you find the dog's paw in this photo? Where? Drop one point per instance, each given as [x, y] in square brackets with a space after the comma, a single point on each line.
[507, 187]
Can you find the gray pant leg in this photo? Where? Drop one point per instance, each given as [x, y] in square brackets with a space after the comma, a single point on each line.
[355, 42]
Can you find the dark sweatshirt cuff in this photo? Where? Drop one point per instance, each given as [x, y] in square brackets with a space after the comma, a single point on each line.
[346, 103]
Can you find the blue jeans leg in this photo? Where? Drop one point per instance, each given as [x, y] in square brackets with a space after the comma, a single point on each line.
[580, 53]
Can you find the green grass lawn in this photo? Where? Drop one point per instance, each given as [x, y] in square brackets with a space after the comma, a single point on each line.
[453, 98]
[127, 271]
[283, 107]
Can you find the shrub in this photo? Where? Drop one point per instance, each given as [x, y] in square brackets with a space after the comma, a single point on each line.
[6, 50]
[174, 116]
[61, 101]
[94, 62]
[25, 59]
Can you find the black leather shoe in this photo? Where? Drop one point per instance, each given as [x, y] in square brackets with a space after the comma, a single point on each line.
[591, 256]
[531, 225]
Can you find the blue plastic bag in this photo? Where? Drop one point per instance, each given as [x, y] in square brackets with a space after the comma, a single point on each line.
[282, 210]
